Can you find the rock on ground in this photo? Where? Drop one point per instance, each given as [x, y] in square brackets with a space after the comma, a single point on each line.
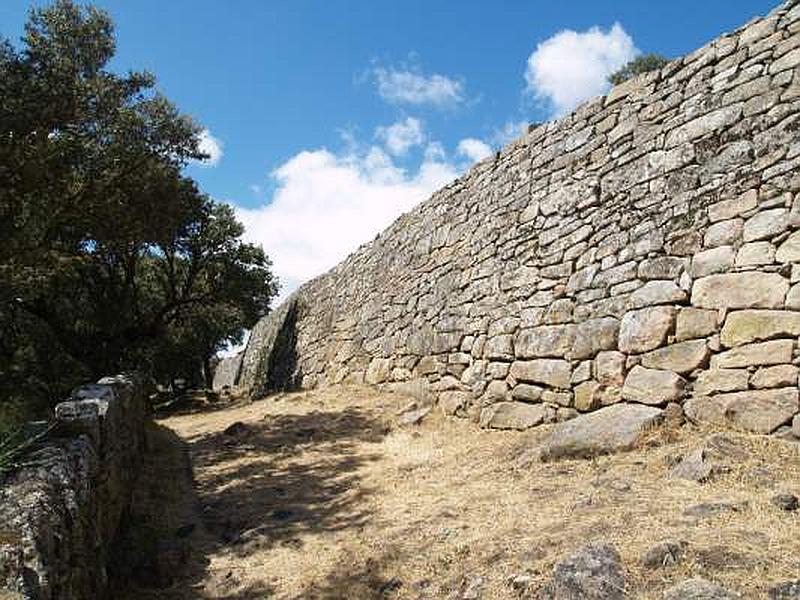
[699, 589]
[611, 429]
[593, 573]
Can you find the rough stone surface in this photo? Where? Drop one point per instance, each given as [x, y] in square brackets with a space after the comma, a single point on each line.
[632, 225]
[61, 514]
[746, 326]
[774, 352]
[683, 357]
[513, 415]
[663, 554]
[759, 411]
[693, 323]
[740, 290]
[652, 386]
[226, 372]
[645, 329]
[593, 573]
[605, 431]
[699, 589]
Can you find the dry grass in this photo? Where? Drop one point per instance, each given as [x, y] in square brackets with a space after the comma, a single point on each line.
[322, 497]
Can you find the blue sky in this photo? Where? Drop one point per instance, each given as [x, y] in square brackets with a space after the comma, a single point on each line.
[328, 119]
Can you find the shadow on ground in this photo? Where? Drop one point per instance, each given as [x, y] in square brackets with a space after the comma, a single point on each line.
[266, 483]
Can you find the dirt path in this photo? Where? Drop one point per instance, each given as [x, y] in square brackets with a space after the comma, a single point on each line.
[321, 495]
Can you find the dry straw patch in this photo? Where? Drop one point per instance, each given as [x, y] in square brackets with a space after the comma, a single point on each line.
[324, 497]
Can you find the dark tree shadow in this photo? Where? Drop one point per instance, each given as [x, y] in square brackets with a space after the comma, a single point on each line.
[272, 482]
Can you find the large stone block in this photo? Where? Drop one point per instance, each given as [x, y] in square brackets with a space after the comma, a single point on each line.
[750, 289]
[658, 292]
[515, 415]
[759, 411]
[548, 371]
[789, 251]
[593, 336]
[683, 357]
[611, 429]
[746, 326]
[693, 323]
[545, 341]
[652, 386]
[645, 329]
[774, 352]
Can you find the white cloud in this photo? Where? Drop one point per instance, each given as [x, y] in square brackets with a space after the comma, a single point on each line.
[510, 131]
[211, 146]
[475, 150]
[403, 86]
[571, 67]
[401, 136]
[326, 204]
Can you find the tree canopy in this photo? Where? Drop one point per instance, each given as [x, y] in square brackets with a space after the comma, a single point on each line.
[112, 258]
[641, 64]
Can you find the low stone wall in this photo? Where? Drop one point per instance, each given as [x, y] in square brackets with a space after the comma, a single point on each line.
[60, 513]
[645, 249]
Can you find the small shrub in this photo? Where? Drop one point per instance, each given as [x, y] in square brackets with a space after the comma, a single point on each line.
[641, 64]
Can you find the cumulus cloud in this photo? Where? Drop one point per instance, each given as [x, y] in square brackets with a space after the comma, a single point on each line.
[508, 132]
[211, 146]
[326, 204]
[572, 66]
[475, 150]
[409, 86]
[401, 136]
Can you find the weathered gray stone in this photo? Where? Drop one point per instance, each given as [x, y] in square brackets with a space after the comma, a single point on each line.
[500, 347]
[765, 225]
[755, 253]
[773, 377]
[662, 267]
[452, 403]
[552, 372]
[513, 415]
[593, 573]
[699, 589]
[693, 323]
[740, 290]
[787, 590]
[759, 411]
[605, 431]
[724, 233]
[587, 396]
[789, 251]
[652, 386]
[663, 554]
[609, 367]
[658, 292]
[721, 380]
[379, 370]
[683, 357]
[713, 260]
[645, 329]
[593, 336]
[525, 392]
[747, 326]
[545, 341]
[727, 209]
[774, 352]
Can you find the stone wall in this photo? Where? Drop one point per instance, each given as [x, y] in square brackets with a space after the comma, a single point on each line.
[645, 248]
[60, 513]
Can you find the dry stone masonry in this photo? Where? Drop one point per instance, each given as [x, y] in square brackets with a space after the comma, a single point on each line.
[60, 514]
[643, 250]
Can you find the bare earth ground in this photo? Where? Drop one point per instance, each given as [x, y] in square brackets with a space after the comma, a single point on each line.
[322, 495]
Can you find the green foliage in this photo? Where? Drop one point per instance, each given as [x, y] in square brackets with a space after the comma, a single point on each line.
[641, 64]
[111, 259]
[14, 443]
